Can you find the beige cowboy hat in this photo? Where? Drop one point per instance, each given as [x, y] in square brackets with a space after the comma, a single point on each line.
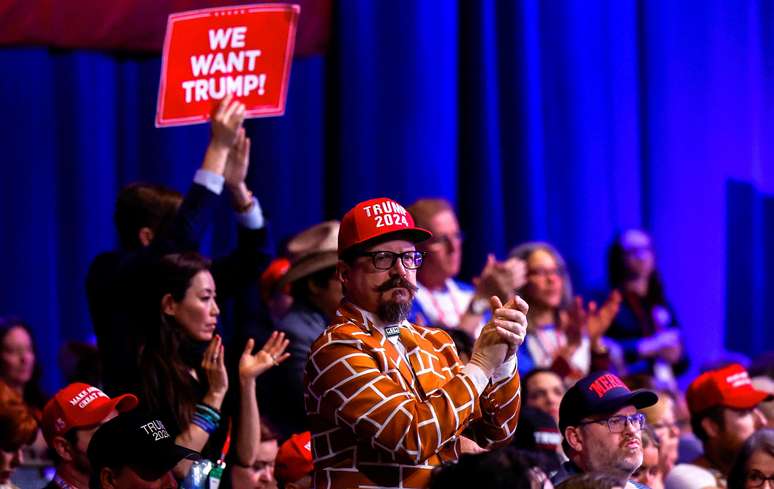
[312, 250]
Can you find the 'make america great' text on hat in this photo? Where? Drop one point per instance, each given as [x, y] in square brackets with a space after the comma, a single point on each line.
[80, 406]
[728, 386]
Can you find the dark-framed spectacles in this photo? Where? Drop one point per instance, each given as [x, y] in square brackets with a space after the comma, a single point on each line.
[757, 479]
[617, 424]
[384, 260]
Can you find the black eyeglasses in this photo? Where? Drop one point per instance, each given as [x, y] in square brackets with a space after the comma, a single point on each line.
[617, 424]
[757, 479]
[384, 260]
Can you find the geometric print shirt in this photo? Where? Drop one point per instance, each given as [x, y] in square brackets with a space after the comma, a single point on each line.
[384, 415]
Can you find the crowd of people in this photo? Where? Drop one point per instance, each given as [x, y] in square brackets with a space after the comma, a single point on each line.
[356, 357]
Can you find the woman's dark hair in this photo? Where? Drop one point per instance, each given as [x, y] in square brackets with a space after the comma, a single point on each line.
[617, 272]
[167, 384]
[760, 441]
[590, 480]
[33, 394]
[535, 371]
[504, 468]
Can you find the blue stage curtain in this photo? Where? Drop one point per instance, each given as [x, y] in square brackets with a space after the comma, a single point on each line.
[565, 121]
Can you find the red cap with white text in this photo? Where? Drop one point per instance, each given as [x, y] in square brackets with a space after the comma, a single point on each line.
[378, 219]
[728, 387]
[80, 406]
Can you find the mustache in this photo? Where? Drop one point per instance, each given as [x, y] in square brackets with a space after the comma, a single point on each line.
[396, 282]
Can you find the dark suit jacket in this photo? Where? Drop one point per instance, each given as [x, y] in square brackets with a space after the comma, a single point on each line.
[116, 283]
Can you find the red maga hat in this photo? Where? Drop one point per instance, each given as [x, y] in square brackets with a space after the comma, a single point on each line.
[728, 387]
[380, 218]
[294, 458]
[80, 406]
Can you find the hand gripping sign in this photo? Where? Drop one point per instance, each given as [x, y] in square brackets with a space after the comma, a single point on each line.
[245, 50]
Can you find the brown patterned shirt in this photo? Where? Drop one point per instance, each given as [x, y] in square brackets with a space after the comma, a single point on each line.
[384, 414]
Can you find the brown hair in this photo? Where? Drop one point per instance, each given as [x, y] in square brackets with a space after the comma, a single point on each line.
[423, 210]
[142, 205]
[17, 425]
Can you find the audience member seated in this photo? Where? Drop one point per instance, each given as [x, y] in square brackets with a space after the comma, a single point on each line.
[661, 418]
[645, 325]
[135, 450]
[543, 389]
[505, 468]
[21, 371]
[463, 342]
[17, 428]
[649, 473]
[277, 299]
[316, 292]
[565, 336]
[70, 419]
[18, 366]
[153, 221]
[183, 369]
[754, 467]
[724, 413]
[441, 299]
[591, 480]
[294, 466]
[260, 473]
[538, 434]
[601, 426]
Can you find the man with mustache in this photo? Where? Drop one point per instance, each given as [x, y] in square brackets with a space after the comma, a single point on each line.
[602, 428]
[388, 400]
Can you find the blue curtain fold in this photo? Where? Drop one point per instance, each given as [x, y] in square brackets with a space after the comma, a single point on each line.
[565, 121]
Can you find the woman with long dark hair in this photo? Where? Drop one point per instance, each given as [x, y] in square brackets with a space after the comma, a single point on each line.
[645, 326]
[184, 377]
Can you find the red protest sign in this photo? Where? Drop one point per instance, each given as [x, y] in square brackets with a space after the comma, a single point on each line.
[245, 50]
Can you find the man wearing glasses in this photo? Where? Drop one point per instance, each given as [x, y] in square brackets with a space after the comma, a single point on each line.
[388, 400]
[441, 299]
[602, 429]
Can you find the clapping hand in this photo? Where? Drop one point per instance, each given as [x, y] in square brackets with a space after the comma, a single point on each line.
[214, 367]
[273, 353]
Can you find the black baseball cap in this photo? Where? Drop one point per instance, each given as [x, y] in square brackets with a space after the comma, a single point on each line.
[597, 394]
[537, 433]
[136, 440]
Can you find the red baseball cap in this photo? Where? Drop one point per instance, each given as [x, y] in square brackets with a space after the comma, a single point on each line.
[378, 218]
[294, 458]
[728, 387]
[79, 406]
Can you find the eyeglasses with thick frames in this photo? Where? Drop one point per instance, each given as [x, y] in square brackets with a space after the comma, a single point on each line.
[385, 260]
[757, 479]
[617, 424]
